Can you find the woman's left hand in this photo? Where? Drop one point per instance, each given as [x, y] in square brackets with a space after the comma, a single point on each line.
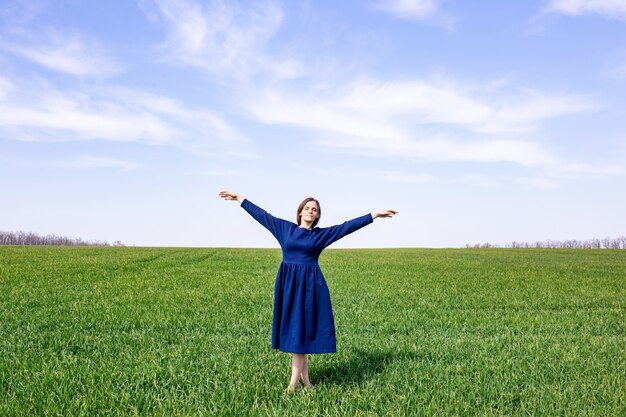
[384, 213]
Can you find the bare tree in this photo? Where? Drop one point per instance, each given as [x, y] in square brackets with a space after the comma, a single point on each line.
[606, 243]
[30, 238]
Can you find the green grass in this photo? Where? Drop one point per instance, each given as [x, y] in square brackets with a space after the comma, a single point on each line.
[153, 331]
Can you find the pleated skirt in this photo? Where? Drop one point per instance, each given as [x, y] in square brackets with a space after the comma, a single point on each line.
[303, 316]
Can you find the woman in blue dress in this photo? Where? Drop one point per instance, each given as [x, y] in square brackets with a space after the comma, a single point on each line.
[303, 317]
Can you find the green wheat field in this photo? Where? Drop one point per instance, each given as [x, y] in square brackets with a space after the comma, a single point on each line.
[436, 332]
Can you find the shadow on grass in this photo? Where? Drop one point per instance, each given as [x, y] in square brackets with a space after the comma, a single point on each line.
[360, 367]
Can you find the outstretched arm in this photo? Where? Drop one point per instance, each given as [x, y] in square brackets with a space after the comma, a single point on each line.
[277, 226]
[229, 195]
[384, 213]
[334, 233]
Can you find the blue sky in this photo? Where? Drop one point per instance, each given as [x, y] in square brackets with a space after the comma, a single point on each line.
[479, 121]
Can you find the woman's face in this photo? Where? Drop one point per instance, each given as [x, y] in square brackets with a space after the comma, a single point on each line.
[310, 212]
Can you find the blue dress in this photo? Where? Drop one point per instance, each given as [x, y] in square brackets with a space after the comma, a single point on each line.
[303, 316]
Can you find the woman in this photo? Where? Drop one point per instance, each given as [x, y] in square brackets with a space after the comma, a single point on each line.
[303, 317]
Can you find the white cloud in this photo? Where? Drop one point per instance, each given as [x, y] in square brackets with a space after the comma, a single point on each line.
[443, 149]
[529, 107]
[224, 37]
[433, 121]
[418, 10]
[40, 112]
[33, 110]
[376, 109]
[608, 8]
[203, 122]
[317, 113]
[408, 9]
[63, 52]
[428, 102]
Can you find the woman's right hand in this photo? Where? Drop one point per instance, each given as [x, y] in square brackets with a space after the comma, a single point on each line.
[230, 196]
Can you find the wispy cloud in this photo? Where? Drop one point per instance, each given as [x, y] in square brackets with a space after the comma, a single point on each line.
[203, 123]
[446, 149]
[366, 107]
[62, 52]
[608, 8]
[433, 121]
[419, 10]
[408, 9]
[33, 110]
[524, 109]
[224, 38]
[480, 109]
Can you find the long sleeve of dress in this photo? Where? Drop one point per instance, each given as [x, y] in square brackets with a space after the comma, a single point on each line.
[278, 227]
[334, 233]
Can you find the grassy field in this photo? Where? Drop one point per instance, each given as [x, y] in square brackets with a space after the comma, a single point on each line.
[153, 331]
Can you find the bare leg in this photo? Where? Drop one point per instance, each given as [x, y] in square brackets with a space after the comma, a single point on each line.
[304, 374]
[299, 369]
[297, 364]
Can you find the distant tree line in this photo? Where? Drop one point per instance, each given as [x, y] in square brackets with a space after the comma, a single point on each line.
[606, 243]
[30, 238]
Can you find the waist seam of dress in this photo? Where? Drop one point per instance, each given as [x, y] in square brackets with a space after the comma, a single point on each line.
[300, 263]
